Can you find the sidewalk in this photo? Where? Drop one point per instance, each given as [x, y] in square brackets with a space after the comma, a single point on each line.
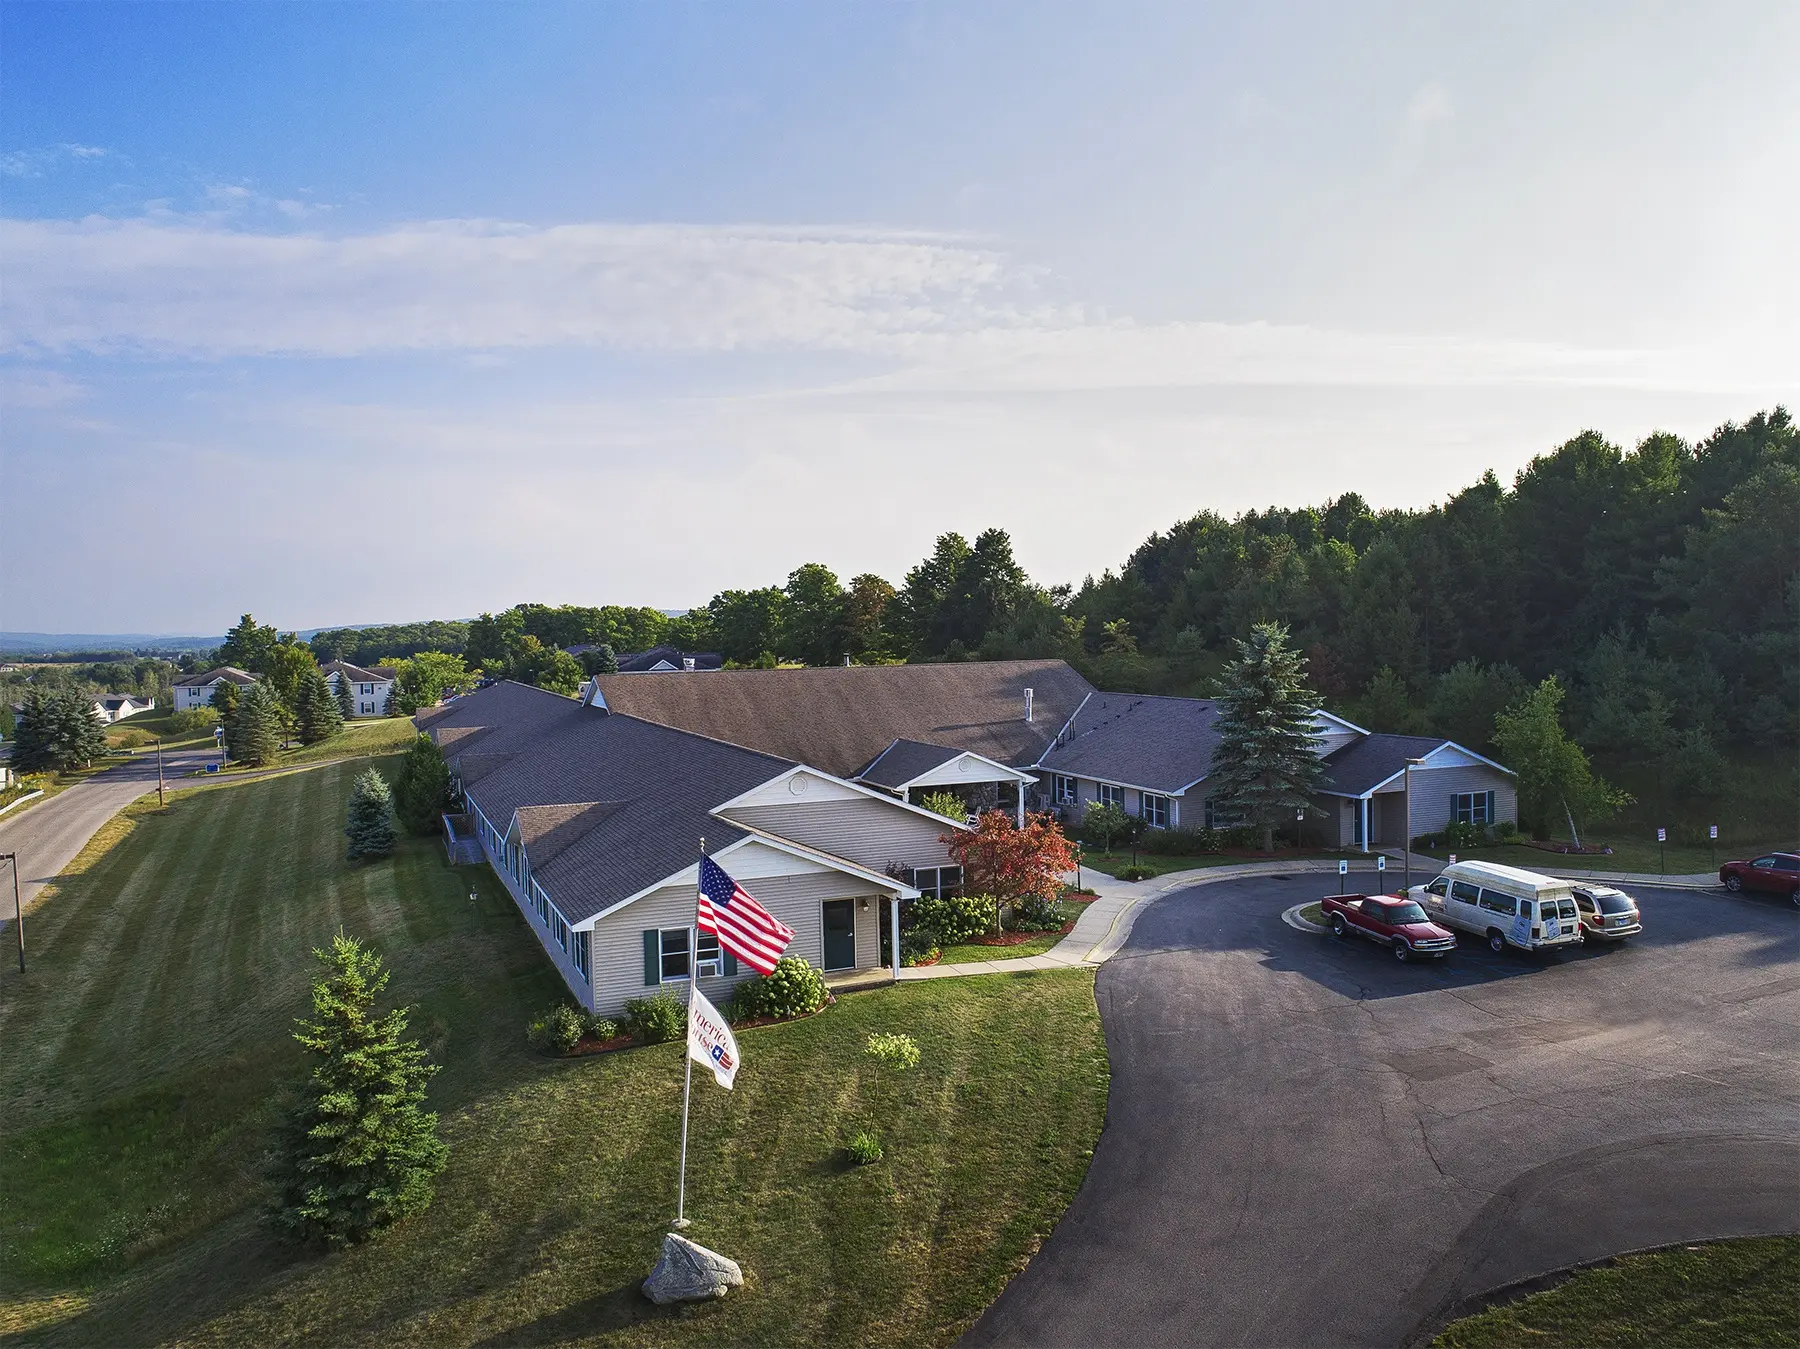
[1106, 923]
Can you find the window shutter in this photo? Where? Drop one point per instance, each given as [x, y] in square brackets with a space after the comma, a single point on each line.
[652, 956]
[1452, 816]
[1490, 809]
[730, 965]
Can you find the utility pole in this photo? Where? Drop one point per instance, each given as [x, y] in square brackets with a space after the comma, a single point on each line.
[159, 773]
[18, 908]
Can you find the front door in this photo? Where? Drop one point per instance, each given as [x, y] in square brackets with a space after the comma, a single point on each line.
[840, 934]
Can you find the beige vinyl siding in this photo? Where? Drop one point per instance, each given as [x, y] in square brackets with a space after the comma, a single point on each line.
[868, 832]
[1432, 789]
[618, 939]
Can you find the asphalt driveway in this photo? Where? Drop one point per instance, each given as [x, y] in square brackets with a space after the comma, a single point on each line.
[1309, 1143]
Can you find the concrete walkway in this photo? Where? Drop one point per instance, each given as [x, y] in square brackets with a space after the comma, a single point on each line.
[1106, 923]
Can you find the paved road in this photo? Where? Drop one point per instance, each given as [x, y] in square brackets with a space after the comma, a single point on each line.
[1309, 1143]
[48, 834]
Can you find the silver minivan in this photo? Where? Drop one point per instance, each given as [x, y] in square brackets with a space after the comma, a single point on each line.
[1505, 906]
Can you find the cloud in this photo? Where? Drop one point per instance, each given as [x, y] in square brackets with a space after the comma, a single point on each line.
[35, 163]
[1430, 103]
[38, 389]
[930, 311]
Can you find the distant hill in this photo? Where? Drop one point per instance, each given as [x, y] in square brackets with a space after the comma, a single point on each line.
[51, 643]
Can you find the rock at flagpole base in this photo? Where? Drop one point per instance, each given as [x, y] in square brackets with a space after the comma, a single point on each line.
[688, 1272]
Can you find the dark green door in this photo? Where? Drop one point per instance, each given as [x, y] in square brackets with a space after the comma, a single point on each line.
[840, 934]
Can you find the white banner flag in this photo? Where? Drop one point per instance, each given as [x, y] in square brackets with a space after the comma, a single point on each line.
[710, 1040]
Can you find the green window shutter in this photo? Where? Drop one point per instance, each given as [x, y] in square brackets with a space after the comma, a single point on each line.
[652, 956]
[730, 965]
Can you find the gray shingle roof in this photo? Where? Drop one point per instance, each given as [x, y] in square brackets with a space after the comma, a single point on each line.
[630, 800]
[230, 673]
[1139, 740]
[643, 662]
[839, 718]
[903, 761]
[1374, 759]
[356, 674]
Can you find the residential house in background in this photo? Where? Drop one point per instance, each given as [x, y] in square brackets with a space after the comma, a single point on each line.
[112, 707]
[370, 689]
[660, 660]
[197, 689]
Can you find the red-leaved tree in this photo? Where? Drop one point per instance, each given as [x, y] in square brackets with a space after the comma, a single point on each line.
[1012, 864]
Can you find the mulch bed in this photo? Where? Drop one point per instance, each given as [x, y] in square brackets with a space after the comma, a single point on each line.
[1569, 849]
[1020, 938]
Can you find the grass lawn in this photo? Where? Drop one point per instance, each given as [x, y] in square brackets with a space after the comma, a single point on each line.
[146, 1048]
[1638, 855]
[1034, 946]
[1113, 862]
[1314, 913]
[1727, 1293]
[146, 728]
[377, 735]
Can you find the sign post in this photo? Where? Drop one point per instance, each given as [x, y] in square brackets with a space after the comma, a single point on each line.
[1381, 871]
[1343, 870]
[1662, 852]
[1712, 844]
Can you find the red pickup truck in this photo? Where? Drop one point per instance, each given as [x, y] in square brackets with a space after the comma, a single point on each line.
[1399, 924]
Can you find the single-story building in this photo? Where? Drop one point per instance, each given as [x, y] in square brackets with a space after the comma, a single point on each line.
[1367, 790]
[112, 707]
[370, 689]
[593, 820]
[197, 689]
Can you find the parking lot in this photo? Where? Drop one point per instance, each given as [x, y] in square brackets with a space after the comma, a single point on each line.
[1310, 1143]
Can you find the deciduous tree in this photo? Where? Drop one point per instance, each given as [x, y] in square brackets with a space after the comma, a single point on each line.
[1012, 864]
[1556, 782]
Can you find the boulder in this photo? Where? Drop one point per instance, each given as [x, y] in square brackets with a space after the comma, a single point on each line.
[688, 1272]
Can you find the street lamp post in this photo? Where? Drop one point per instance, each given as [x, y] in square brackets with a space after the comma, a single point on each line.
[1406, 842]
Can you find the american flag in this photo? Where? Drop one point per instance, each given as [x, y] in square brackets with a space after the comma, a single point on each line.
[744, 927]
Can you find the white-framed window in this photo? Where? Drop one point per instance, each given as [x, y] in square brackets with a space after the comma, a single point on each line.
[673, 951]
[1472, 807]
[1111, 795]
[559, 928]
[1063, 790]
[711, 962]
[936, 882]
[1155, 810]
[1221, 816]
[582, 954]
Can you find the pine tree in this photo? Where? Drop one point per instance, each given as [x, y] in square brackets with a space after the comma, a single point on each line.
[371, 826]
[422, 786]
[319, 715]
[358, 1152]
[57, 731]
[346, 700]
[1266, 764]
[225, 700]
[33, 734]
[255, 734]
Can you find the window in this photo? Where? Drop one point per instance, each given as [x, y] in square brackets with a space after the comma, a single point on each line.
[1471, 807]
[559, 928]
[1468, 894]
[1495, 902]
[1063, 789]
[1155, 810]
[1221, 816]
[936, 882]
[1408, 912]
[1439, 886]
[1111, 795]
[674, 953]
[709, 956]
[582, 954]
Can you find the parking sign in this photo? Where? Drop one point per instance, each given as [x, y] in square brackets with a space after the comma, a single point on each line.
[1712, 831]
[1381, 862]
[1662, 835]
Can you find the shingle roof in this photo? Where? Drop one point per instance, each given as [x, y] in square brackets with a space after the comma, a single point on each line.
[903, 761]
[643, 662]
[357, 674]
[547, 830]
[1374, 759]
[635, 799]
[230, 673]
[1139, 740]
[839, 718]
[509, 714]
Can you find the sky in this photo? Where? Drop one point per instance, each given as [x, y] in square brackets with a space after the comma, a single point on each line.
[362, 313]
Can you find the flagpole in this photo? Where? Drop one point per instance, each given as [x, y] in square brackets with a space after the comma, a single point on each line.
[687, 1087]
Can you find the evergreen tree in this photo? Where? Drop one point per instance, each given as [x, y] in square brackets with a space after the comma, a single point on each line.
[346, 700]
[1265, 765]
[32, 733]
[422, 786]
[225, 699]
[358, 1152]
[371, 826]
[320, 718]
[57, 731]
[255, 734]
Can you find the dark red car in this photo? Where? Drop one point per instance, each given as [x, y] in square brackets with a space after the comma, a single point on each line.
[1776, 873]
[1398, 924]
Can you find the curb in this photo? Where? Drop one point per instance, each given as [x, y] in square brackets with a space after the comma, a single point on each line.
[1293, 919]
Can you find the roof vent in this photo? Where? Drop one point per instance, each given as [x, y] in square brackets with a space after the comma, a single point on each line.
[687, 663]
[1027, 704]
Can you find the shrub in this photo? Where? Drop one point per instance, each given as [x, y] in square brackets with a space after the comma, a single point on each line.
[557, 1030]
[864, 1148]
[792, 988]
[946, 803]
[1136, 873]
[193, 720]
[956, 919]
[657, 1019]
[1461, 835]
[1507, 830]
[919, 945]
[1036, 914]
[130, 737]
[603, 1028]
[896, 1051]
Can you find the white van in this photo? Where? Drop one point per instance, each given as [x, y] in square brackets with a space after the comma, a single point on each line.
[1504, 905]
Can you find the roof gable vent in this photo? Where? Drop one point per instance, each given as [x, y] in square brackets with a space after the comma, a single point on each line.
[1027, 704]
